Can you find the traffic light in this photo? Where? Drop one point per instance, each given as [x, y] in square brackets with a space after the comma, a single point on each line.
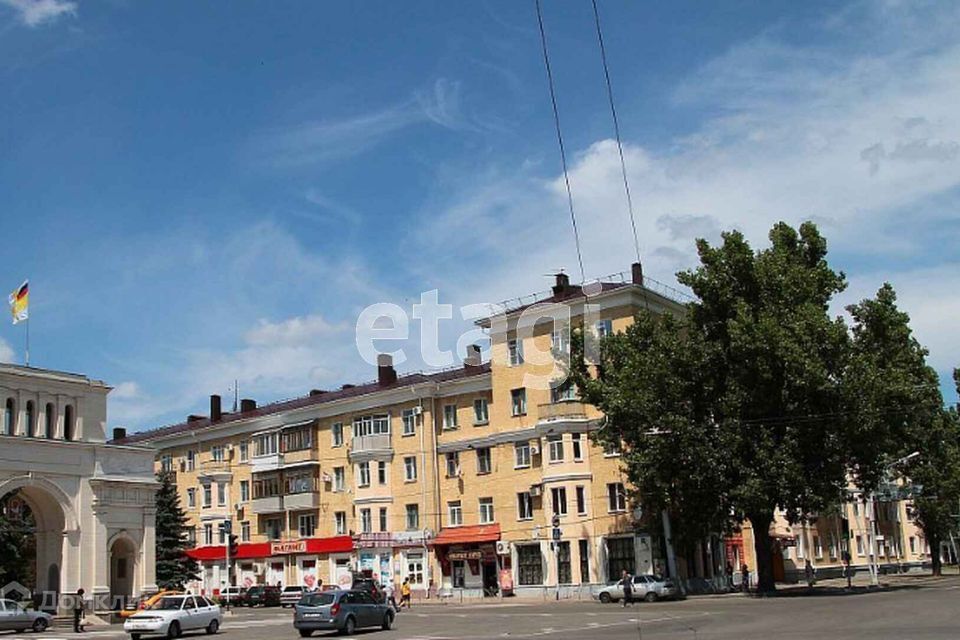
[232, 542]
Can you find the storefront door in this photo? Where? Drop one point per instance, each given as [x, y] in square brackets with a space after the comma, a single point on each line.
[490, 583]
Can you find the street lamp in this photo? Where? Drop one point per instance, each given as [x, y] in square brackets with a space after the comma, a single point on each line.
[874, 550]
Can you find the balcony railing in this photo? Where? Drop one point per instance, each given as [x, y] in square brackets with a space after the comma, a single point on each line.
[301, 455]
[270, 504]
[215, 466]
[296, 501]
[375, 442]
[564, 410]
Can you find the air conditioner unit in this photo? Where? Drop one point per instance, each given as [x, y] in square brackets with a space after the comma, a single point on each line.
[535, 449]
[238, 507]
[417, 410]
[503, 548]
[536, 490]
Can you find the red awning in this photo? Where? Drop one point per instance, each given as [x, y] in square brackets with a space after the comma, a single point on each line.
[337, 544]
[465, 535]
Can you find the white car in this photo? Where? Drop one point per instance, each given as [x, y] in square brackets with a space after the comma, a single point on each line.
[172, 615]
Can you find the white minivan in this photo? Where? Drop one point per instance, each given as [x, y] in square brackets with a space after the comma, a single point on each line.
[172, 615]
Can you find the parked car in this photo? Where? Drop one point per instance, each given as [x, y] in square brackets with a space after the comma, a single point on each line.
[649, 588]
[232, 595]
[291, 596]
[343, 611]
[144, 602]
[261, 596]
[369, 585]
[13, 617]
[172, 615]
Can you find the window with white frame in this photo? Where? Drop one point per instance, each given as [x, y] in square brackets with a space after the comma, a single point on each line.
[166, 462]
[336, 434]
[221, 494]
[192, 537]
[555, 446]
[221, 534]
[524, 506]
[217, 453]
[577, 447]
[616, 497]
[611, 449]
[481, 412]
[817, 547]
[413, 517]
[410, 468]
[409, 417]
[339, 479]
[454, 513]
[244, 490]
[521, 454]
[604, 328]
[208, 534]
[265, 444]
[486, 510]
[860, 549]
[366, 522]
[560, 340]
[207, 495]
[363, 474]
[371, 425]
[559, 496]
[307, 524]
[449, 416]
[191, 460]
[515, 352]
[384, 523]
[913, 544]
[518, 402]
[340, 522]
[563, 392]
[245, 531]
[244, 452]
[484, 464]
[191, 497]
[453, 464]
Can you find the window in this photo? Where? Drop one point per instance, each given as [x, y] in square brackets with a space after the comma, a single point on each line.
[860, 550]
[409, 422]
[563, 392]
[339, 479]
[564, 574]
[604, 328]
[616, 497]
[577, 448]
[208, 534]
[620, 556]
[244, 451]
[166, 462]
[611, 449]
[817, 547]
[50, 418]
[524, 506]
[382, 472]
[581, 501]
[555, 444]
[266, 487]
[832, 546]
[221, 534]
[415, 568]
[371, 425]
[336, 434]
[9, 415]
[410, 469]
[265, 444]
[271, 528]
[413, 517]
[529, 564]
[483, 460]
[856, 509]
[486, 510]
[30, 417]
[192, 537]
[298, 439]
[453, 464]
[191, 460]
[221, 494]
[191, 497]
[384, 525]
[521, 452]
[244, 490]
[518, 402]
[217, 453]
[307, 525]
[340, 522]
[560, 340]
[913, 544]
[363, 474]
[449, 416]
[515, 350]
[559, 495]
[584, 548]
[300, 482]
[366, 524]
[207, 495]
[68, 423]
[481, 412]
[454, 514]
[244, 531]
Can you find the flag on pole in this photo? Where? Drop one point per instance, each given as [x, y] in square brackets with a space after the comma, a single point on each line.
[20, 303]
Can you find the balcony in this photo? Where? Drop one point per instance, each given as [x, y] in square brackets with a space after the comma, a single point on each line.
[372, 444]
[215, 468]
[298, 501]
[299, 457]
[564, 410]
[270, 504]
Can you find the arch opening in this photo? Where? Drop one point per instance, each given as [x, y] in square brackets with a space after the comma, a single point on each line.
[123, 555]
[35, 523]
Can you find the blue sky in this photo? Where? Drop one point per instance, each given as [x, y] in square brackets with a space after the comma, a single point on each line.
[204, 191]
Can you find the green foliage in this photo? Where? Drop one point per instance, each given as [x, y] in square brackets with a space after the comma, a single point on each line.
[16, 537]
[174, 567]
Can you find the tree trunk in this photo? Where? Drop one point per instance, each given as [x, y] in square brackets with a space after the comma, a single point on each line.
[763, 549]
[935, 554]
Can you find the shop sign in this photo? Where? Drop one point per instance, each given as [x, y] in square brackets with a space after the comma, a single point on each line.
[374, 539]
[295, 546]
[408, 538]
[465, 555]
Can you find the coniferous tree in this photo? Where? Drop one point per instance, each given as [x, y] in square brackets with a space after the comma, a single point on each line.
[174, 567]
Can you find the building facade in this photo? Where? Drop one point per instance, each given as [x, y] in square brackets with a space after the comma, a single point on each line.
[91, 503]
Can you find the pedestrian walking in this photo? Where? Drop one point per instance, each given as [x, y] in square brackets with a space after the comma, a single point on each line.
[405, 593]
[730, 572]
[626, 582]
[388, 597]
[810, 573]
[78, 611]
[744, 578]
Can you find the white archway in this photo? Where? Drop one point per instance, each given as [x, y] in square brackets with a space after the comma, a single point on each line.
[57, 494]
[124, 568]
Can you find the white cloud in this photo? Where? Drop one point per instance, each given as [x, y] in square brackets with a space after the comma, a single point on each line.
[7, 353]
[34, 13]
[125, 391]
[297, 331]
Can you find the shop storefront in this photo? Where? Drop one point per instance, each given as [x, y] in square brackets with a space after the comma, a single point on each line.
[468, 559]
[375, 555]
[412, 560]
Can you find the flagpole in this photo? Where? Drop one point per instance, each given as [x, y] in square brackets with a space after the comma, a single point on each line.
[28, 342]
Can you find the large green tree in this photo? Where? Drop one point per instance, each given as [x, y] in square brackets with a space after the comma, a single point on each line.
[174, 567]
[17, 529]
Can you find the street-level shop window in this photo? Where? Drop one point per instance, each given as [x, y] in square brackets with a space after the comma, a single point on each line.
[454, 513]
[307, 525]
[529, 564]
[459, 574]
[563, 562]
[584, 548]
[336, 434]
[340, 522]
[486, 511]
[559, 495]
[524, 506]
[620, 557]
[366, 521]
[415, 569]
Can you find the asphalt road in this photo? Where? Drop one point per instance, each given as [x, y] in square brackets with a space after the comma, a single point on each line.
[922, 610]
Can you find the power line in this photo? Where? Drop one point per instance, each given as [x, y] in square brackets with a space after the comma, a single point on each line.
[563, 153]
[616, 129]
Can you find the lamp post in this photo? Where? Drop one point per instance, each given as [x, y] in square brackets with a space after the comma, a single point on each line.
[875, 529]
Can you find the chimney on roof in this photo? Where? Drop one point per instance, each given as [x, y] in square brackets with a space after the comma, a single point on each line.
[562, 285]
[216, 411]
[246, 404]
[347, 386]
[386, 374]
[472, 361]
[636, 273]
[119, 433]
[317, 392]
[195, 418]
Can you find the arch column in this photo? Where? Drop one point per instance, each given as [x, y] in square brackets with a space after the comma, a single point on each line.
[101, 556]
[148, 551]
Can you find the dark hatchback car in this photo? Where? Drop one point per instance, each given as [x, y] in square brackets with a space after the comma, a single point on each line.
[261, 596]
[343, 611]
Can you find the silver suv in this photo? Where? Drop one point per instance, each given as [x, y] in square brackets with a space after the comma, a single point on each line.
[343, 611]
